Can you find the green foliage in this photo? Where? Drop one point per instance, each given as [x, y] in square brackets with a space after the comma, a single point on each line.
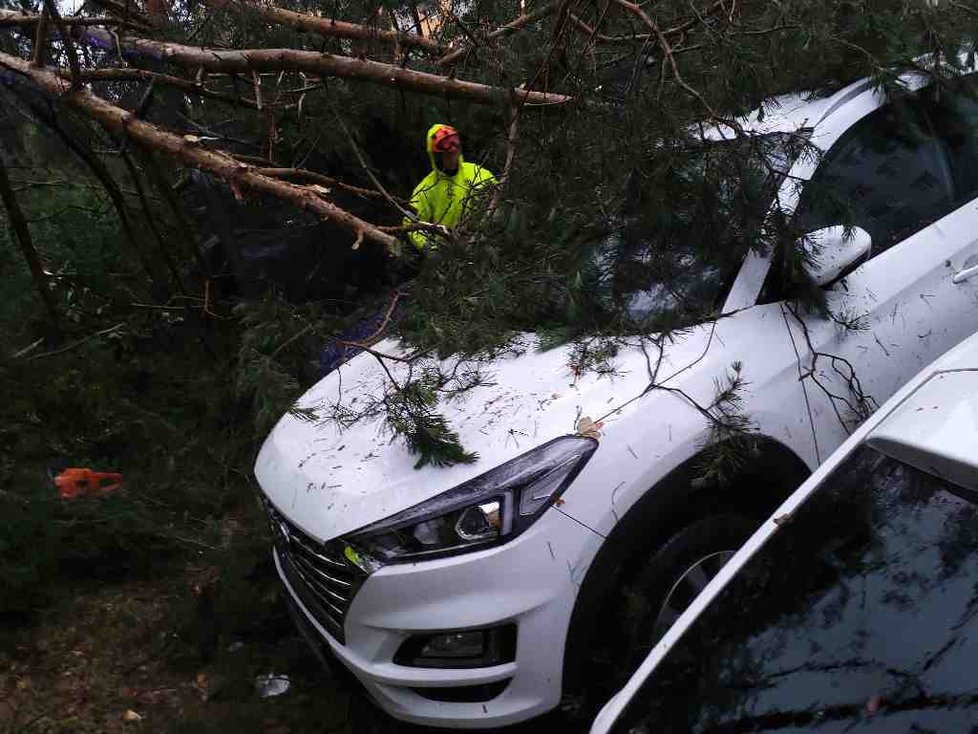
[411, 414]
[731, 442]
[273, 355]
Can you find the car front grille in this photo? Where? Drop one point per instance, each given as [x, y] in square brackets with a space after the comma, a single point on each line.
[323, 579]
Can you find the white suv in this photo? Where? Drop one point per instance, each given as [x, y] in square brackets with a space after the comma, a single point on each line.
[481, 594]
[853, 606]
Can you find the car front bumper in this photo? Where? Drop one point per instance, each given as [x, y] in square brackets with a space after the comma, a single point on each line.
[531, 581]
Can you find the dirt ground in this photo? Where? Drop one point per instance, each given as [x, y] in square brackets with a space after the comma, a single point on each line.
[106, 660]
[109, 659]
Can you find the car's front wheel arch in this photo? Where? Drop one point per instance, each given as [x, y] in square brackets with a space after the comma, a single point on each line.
[676, 502]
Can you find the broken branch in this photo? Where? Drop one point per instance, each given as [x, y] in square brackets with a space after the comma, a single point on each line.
[279, 59]
[17, 18]
[238, 174]
[330, 27]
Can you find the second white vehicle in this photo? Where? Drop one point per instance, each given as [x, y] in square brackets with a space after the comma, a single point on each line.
[480, 595]
[853, 606]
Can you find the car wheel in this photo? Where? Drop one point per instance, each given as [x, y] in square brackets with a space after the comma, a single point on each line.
[653, 596]
[675, 575]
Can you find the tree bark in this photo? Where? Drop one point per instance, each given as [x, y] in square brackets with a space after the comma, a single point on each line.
[330, 27]
[240, 176]
[40, 38]
[286, 59]
[22, 233]
[19, 19]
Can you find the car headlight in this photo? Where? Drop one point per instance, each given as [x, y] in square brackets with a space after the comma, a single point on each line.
[490, 509]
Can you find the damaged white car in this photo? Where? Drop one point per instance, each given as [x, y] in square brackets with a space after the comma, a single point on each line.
[482, 594]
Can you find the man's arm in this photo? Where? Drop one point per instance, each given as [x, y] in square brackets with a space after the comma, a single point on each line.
[419, 204]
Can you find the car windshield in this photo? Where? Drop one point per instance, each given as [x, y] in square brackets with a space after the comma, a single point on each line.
[676, 253]
[860, 613]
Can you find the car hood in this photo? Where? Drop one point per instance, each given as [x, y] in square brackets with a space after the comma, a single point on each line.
[332, 472]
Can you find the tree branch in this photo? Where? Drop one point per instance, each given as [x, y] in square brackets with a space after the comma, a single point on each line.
[17, 18]
[22, 233]
[240, 176]
[329, 27]
[40, 37]
[511, 27]
[287, 59]
[320, 179]
[188, 85]
[69, 45]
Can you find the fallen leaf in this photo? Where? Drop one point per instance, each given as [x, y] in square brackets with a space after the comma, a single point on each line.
[589, 428]
[131, 715]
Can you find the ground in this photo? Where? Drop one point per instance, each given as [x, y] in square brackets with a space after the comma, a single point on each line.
[102, 660]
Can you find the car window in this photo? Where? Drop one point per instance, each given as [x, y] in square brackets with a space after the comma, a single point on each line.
[955, 121]
[860, 613]
[725, 189]
[888, 175]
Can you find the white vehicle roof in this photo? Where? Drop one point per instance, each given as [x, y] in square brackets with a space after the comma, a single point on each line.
[931, 423]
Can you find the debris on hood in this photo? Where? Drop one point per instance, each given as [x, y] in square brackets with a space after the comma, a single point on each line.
[589, 428]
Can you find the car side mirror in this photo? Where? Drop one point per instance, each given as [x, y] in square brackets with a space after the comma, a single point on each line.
[836, 253]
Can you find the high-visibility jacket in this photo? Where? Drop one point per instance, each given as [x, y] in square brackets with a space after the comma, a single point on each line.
[442, 199]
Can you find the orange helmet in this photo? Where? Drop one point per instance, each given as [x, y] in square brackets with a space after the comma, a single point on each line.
[443, 139]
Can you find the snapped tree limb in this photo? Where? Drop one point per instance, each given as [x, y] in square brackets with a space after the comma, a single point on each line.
[240, 176]
[19, 19]
[242, 61]
[311, 62]
[329, 27]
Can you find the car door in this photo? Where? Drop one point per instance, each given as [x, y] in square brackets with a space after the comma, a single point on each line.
[857, 615]
[896, 174]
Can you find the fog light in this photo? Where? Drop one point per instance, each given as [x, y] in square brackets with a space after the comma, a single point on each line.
[460, 649]
[455, 645]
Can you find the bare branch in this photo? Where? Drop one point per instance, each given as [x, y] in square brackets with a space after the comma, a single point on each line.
[318, 178]
[18, 224]
[240, 176]
[511, 27]
[69, 45]
[188, 85]
[311, 62]
[329, 27]
[17, 18]
[666, 48]
[41, 37]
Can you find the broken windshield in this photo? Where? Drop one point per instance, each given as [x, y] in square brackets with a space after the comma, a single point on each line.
[860, 613]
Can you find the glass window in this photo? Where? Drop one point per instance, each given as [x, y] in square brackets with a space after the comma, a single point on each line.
[888, 175]
[673, 258]
[859, 614]
[955, 120]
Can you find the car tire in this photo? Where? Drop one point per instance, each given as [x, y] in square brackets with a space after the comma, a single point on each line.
[656, 590]
[674, 576]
